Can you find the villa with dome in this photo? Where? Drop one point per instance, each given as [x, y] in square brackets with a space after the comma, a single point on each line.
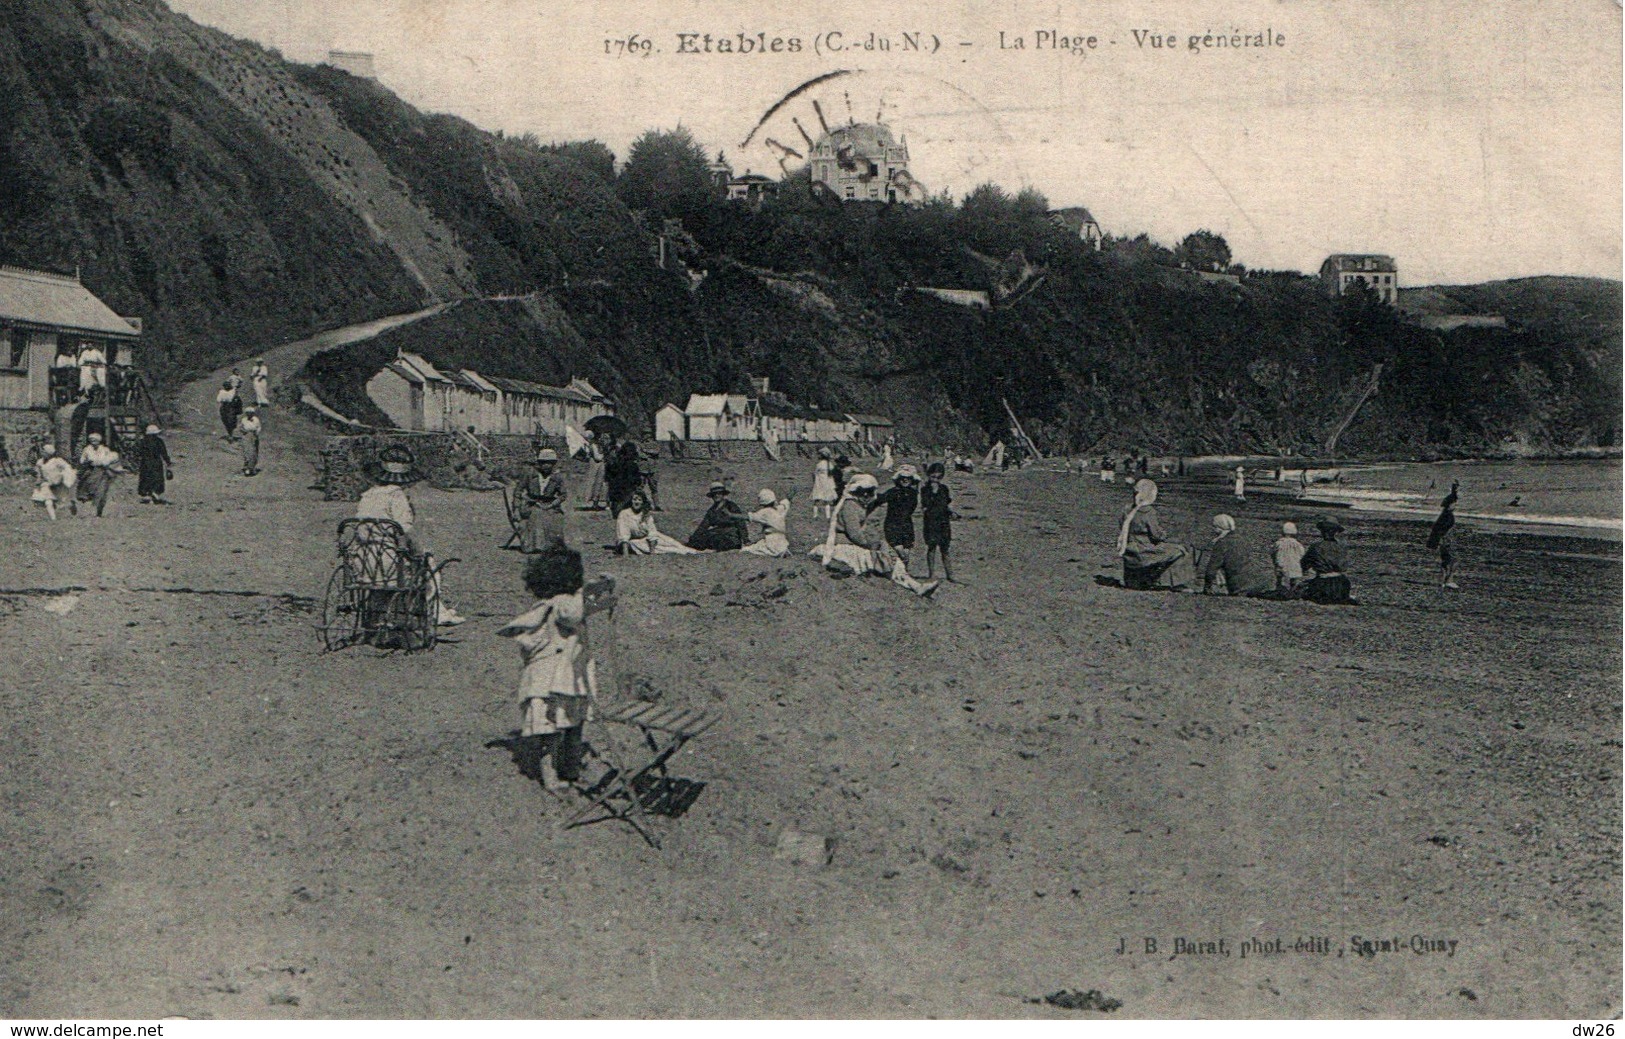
[864, 162]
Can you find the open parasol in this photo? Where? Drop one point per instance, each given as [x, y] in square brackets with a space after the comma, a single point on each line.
[606, 425]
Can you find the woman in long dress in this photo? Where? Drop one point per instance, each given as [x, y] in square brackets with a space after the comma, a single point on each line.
[248, 427]
[152, 466]
[231, 408]
[595, 472]
[541, 501]
[1150, 560]
[98, 464]
[260, 375]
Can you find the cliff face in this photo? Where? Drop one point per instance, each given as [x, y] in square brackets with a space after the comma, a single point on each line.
[128, 149]
[234, 200]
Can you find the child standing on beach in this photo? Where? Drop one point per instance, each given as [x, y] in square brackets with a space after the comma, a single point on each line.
[934, 503]
[900, 501]
[824, 492]
[559, 680]
[1442, 537]
[1288, 556]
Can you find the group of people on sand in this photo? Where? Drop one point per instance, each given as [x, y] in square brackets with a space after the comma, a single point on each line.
[59, 482]
[1153, 560]
[860, 537]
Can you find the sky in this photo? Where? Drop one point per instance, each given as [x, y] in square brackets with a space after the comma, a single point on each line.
[1470, 141]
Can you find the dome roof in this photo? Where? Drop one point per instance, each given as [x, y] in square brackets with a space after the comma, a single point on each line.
[863, 138]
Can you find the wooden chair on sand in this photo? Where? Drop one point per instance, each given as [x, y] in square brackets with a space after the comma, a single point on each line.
[633, 790]
[516, 519]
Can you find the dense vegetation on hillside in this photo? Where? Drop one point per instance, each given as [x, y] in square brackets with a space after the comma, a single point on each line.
[234, 200]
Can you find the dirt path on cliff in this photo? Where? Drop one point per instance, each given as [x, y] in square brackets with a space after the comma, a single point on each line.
[207, 816]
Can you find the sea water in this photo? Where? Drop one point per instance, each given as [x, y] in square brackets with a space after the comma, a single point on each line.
[1578, 493]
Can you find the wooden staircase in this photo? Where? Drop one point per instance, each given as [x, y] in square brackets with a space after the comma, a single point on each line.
[121, 410]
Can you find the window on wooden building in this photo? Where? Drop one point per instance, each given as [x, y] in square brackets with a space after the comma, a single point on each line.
[16, 349]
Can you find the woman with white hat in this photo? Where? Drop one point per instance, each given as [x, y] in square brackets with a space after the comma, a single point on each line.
[152, 466]
[249, 427]
[542, 503]
[901, 499]
[260, 376]
[1228, 558]
[771, 516]
[386, 499]
[98, 464]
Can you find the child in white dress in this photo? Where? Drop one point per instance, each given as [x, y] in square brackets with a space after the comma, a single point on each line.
[823, 492]
[559, 680]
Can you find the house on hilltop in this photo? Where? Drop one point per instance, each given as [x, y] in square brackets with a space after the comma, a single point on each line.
[1079, 221]
[864, 162]
[357, 63]
[747, 187]
[1342, 271]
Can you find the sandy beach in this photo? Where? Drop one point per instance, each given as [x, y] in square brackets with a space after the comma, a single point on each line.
[1026, 780]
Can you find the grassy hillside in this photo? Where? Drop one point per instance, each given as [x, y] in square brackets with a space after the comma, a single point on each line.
[232, 200]
[178, 205]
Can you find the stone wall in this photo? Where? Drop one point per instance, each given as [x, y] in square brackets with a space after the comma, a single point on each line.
[446, 461]
[22, 433]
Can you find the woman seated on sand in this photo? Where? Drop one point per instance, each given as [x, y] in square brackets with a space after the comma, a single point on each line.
[1325, 561]
[1150, 560]
[722, 528]
[772, 512]
[1228, 558]
[637, 535]
[857, 544]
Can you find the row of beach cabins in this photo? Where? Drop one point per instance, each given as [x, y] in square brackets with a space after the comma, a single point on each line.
[736, 416]
[417, 396]
[420, 397]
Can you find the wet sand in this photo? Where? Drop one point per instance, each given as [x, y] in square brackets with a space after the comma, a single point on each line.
[207, 816]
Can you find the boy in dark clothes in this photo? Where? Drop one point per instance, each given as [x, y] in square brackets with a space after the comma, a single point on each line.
[934, 501]
[900, 500]
[838, 472]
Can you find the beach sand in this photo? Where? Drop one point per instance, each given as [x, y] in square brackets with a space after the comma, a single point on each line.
[207, 816]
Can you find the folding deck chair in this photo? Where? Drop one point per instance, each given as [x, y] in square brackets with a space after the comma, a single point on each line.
[516, 521]
[633, 792]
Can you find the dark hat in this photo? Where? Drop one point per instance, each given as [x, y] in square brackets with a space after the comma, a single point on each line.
[396, 465]
[1328, 526]
[716, 489]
